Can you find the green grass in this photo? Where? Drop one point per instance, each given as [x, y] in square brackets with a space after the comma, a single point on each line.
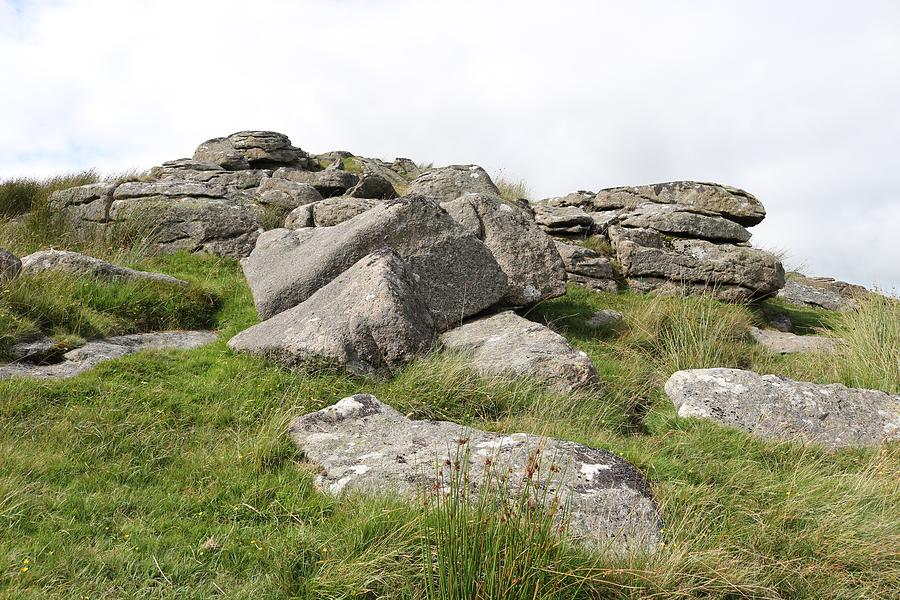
[169, 474]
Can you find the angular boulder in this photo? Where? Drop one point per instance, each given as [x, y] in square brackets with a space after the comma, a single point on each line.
[373, 186]
[506, 345]
[371, 319]
[588, 268]
[337, 209]
[777, 408]
[458, 275]
[73, 263]
[448, 183]
[363, 445]
[284, 193]
[711, 198]
[329, 182]
[526, 254]
[821, 292]
[10, 265]
[731, 273]
[93, 353]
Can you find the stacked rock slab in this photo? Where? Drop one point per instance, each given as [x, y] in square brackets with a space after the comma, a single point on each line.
[370, 319]
[588, 268]
[677, 237]
[215, 201]
[361, 444]
[776, 408]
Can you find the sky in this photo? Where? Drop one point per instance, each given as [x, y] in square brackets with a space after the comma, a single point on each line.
[797, 102]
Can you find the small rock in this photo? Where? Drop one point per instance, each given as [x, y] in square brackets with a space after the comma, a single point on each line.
[507, 345]
[10, 265]
[211, 545]
[606, 318]
[822, 292]
[777, 408]
[781, 342]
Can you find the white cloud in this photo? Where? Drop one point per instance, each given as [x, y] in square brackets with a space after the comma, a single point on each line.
[797, 102]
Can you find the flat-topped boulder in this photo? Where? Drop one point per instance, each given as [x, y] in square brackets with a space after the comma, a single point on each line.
[458, 276]
[821, 292]
[777, 408]
[448, 183]
[506, 345]
[370, 319]
[672, 219]
[360, 444]
[77, 361]
[706, 198]
[529, 258]
[73, 263]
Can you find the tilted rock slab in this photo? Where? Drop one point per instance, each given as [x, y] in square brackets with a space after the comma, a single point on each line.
[711, 198]
[781, 342]
[777, 408]
[363, 445]
[533, 266]
[448, 183]
[62, 261]
[370, 319]
[822, 292]
[726, 271]
[90, 355]
[457, 274]
[506, 345]
[672, 219]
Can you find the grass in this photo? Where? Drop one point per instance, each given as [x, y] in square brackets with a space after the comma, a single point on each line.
[511, 191]
[169, 474]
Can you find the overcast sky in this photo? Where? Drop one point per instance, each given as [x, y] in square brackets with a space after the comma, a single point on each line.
[797, 102]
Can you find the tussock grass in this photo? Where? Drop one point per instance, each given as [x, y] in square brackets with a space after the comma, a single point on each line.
[511, 191]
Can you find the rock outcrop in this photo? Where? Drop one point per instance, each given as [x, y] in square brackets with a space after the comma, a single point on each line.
[73, 263]
[10, 265]
[678, 237]
[79, 360]
[251, 150]
[361, 444]
[370, 320]
[588, 268]
[457, 274]
[506, 345]
[776, 408]
[822, 292]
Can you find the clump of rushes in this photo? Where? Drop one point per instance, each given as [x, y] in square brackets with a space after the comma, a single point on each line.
[500, 537]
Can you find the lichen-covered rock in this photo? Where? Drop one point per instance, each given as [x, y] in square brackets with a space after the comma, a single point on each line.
[302, 216]
[329, 182]
[251, 149]
[90, 355]
[373, 186]
[728, 272]
[371, 319]
[606, 318]
[338, 209]
[448, 183]
[776, 408]
[458, 275]
[711, 198]
[83, 205]
[672, 219]
[529, 258]
[562, 220]
[587, 268]
[73, 263]
[363, 445]
[285, 193]
[10, 265]
[822, 292]
[780, 342]
[507, 345]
